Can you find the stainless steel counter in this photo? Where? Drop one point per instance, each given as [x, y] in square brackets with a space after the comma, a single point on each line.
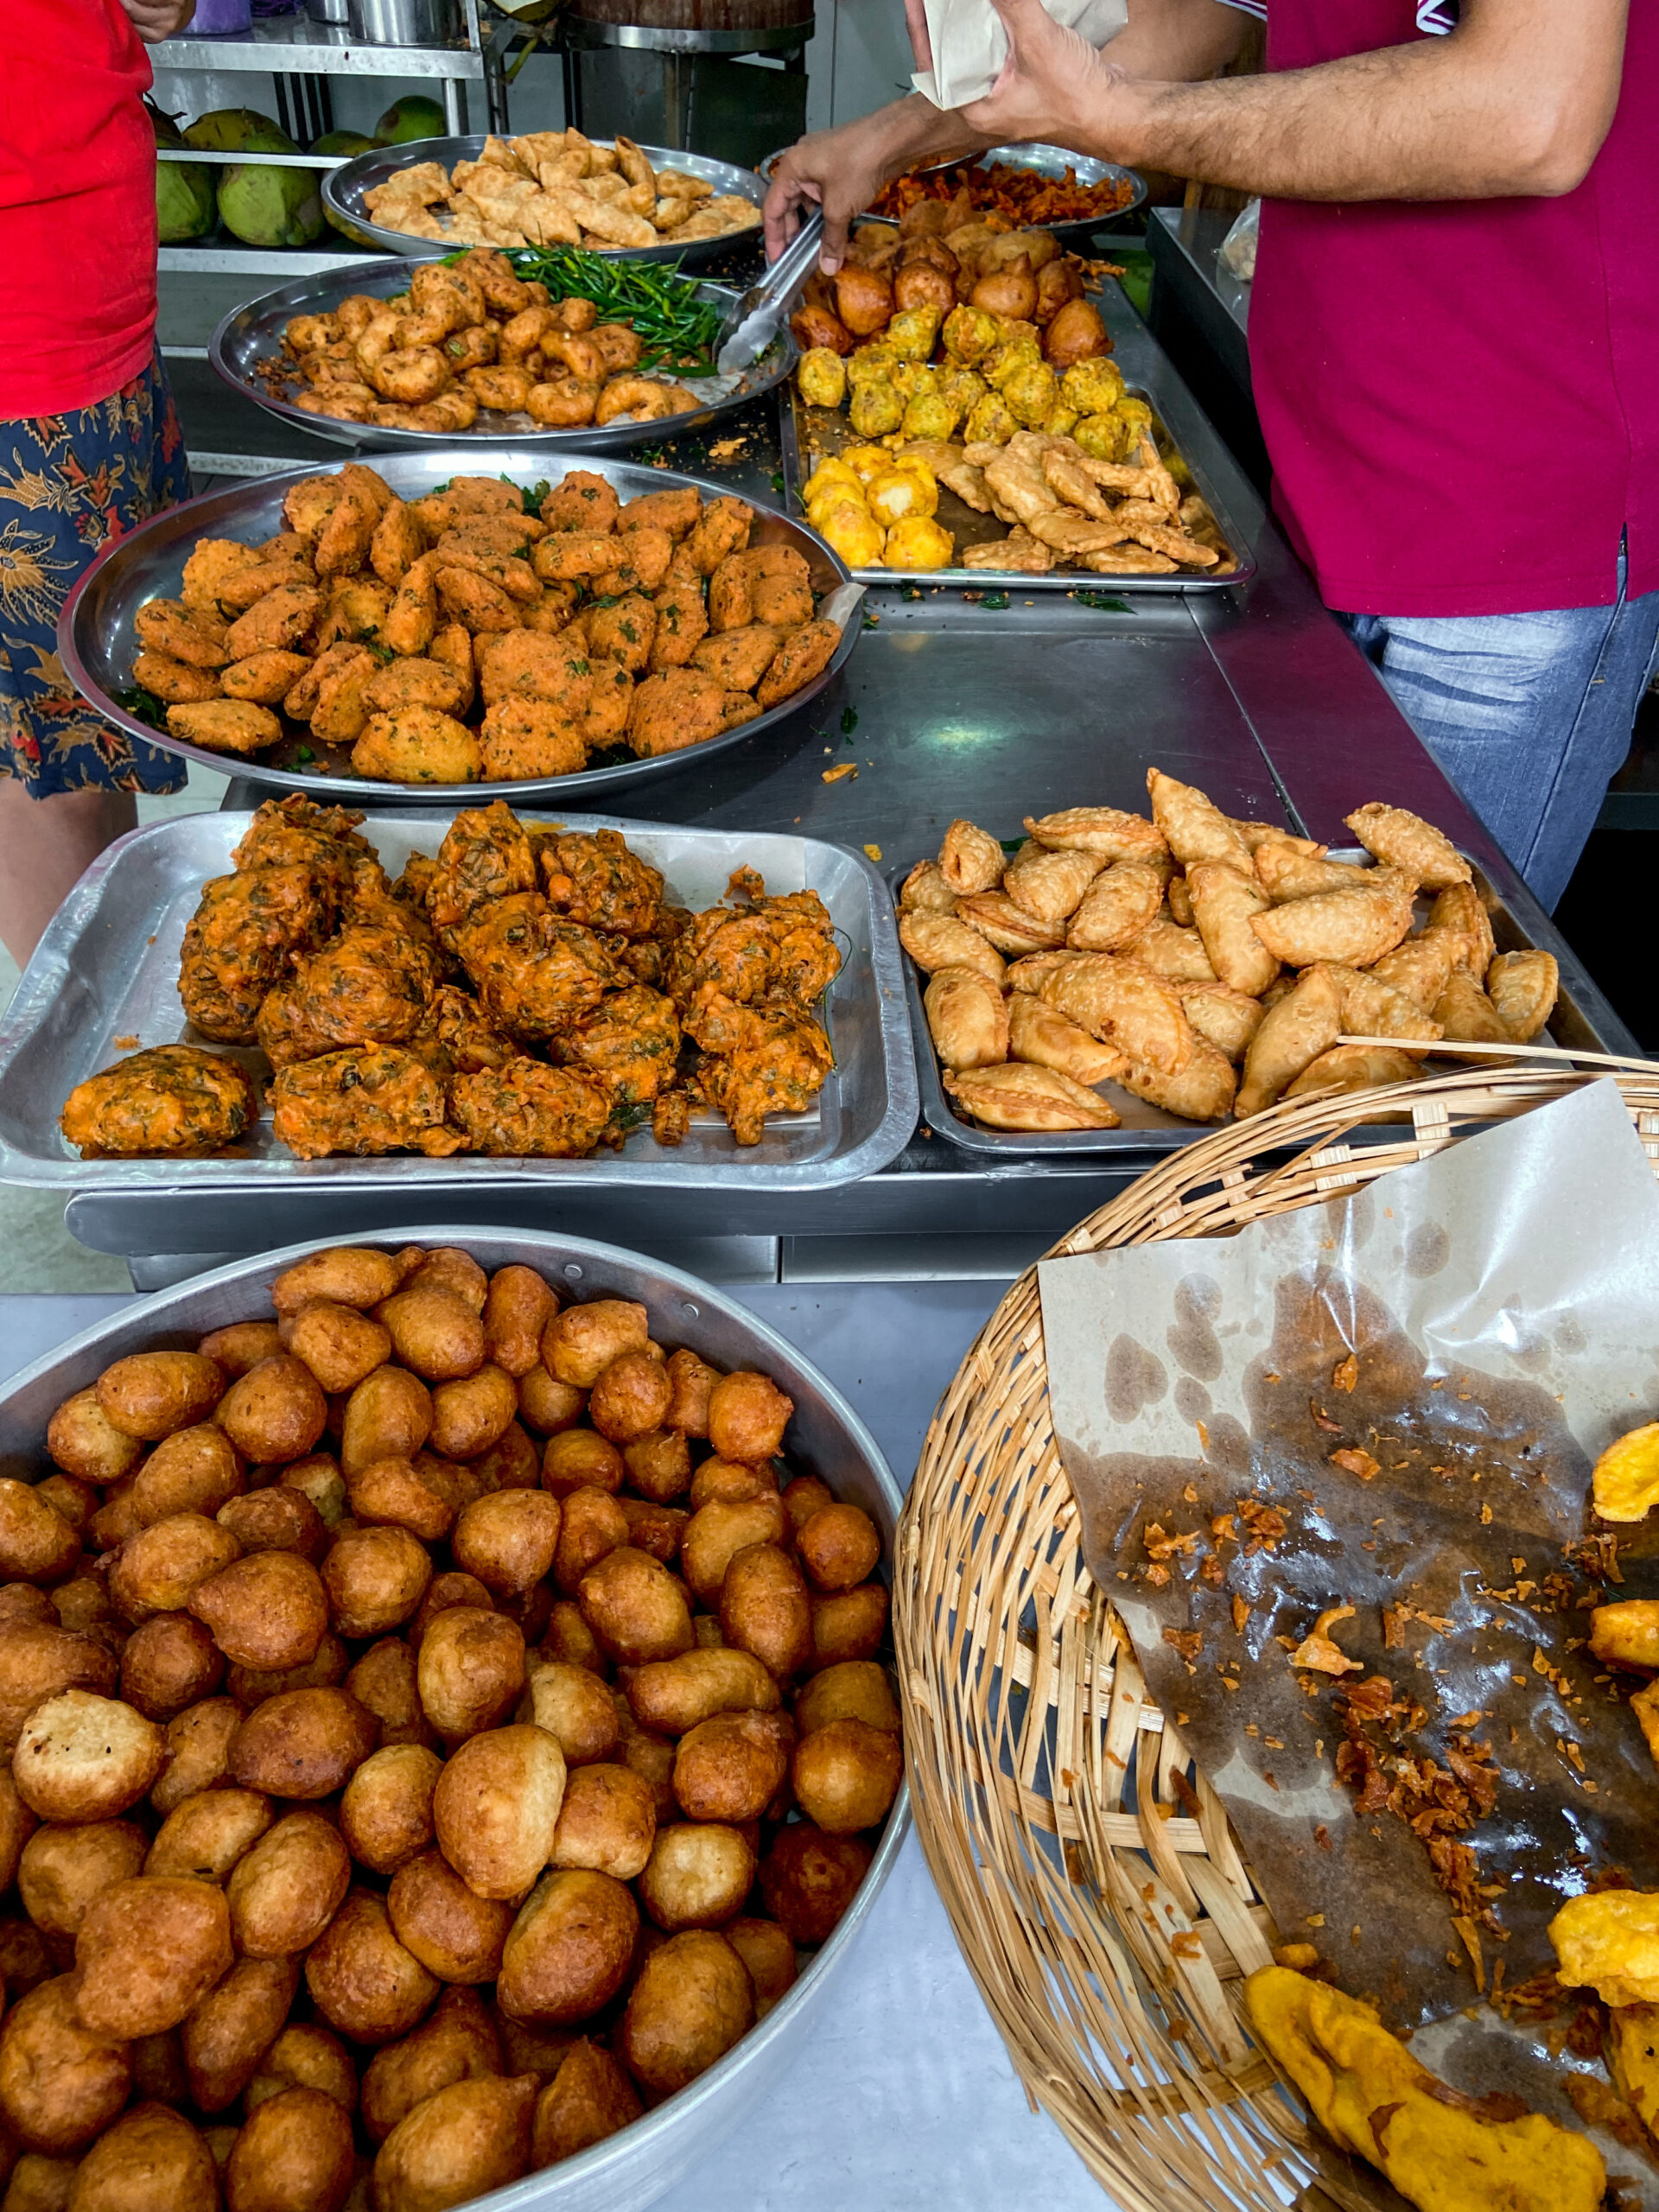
[993, 708]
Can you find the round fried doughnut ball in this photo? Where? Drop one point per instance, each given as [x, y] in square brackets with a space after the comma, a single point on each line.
[698, 1874]
[630, 1396]
[293, 2154]
[635, 1608]
[82, 1440]
[839, 1547]
[159, 1569]
[60, 2083]
[152, 2160]
[203, 1839]
[63, 1869]
[692, 2001]
[361, 1978]
[570, 1948]
[589, 2097]
[168, 1664]
[769, 1954]
[571, 1703]
[149, 1950]
[731, 1767]
[765, 1608]
[747, 1415]
[194, 1471]
[449, 1928]
[304, 2056]
[37, 1543]
[150, 1394]
[857, 1689]
[470, 1670]
[577, 1458]
[508, 1539]
[470, 1414]
[276, 1411]
[607, 1822]
[579, 1343]
[233, 2026]
[302, 1743]
[345, 1275]
[467, 2140]
[339, 1344]
[849, 1624]
[198, 1742]
[692, 1381]
[375, 1578]
[385, 1814]
[517, 1309]
[286, 1889]
[81, 1758]
[496, 1808]
[268, 1611]
[808, 1878]
[546, 1406]
[435, 1335]
[847, 1774]
[457, 2042]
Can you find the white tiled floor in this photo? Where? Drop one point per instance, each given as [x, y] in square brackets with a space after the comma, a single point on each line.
[40, 1254]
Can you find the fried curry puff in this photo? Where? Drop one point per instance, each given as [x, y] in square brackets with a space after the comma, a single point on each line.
[528, 992]
[475, 635]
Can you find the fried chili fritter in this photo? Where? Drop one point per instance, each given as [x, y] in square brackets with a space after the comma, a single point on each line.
[367, 985]
[528, 1111]
[174, 1101]
[376, 1098]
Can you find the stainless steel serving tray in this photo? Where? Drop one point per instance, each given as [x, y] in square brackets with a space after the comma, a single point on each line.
[805, 431]
[344, 191]
[96, 639]
[107, 969]
[1047, 161]
[249, 339]
[632, 2169]
[1148, 1129]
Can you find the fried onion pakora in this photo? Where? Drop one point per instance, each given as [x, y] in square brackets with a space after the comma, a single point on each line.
[374, 1099]
[528, 1111]
[534, 973]
[461, 637]
[777, 1062]
[367, 985]
[596, 881]
[174, 1101]
[630, 1041]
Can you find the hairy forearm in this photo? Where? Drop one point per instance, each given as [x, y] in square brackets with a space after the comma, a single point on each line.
[914, 130]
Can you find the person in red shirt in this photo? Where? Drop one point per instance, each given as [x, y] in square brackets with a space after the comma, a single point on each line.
[90, 444]
[1453, 328]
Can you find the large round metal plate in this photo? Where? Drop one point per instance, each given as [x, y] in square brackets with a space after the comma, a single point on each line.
[632, 2168]
[251, 337]
[1047, 161]
[344, 191]
[96, 640]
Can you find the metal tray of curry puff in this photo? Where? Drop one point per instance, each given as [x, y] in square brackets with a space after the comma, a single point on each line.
[103, 983]
[97, 640]
[246, 351]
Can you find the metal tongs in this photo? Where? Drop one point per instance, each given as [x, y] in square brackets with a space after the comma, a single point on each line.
[759, 315]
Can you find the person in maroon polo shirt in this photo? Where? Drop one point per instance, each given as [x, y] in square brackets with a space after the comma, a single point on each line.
[1453, 333]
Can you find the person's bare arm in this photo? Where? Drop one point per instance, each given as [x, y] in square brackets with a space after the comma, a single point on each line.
[154, 20]
[1516, 100]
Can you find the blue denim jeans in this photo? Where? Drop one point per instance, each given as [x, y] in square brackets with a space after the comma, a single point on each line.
[1529, 715]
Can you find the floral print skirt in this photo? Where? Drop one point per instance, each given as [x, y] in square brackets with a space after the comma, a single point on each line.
[69, 484]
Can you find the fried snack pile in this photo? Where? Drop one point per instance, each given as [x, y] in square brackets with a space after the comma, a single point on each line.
[1439, 2149]
[436, 1718]
[526, 994]
[953, 197]
[460, 637]
[977, 359]
[1204, 965]
[556, 187]
[465, 336]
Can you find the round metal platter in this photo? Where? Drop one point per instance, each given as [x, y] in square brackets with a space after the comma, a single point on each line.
[1046, 161]
[251, 337]
[344, 190]
[96, 639]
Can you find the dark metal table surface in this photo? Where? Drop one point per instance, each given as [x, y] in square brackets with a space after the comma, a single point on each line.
[993, 706]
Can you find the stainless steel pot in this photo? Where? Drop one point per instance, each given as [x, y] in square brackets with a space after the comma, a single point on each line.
[825, 1438]
[329, 11]
[405, 23]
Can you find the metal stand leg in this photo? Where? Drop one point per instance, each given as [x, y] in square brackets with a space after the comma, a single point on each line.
[454, 106]
[572, 64]
[677, 101]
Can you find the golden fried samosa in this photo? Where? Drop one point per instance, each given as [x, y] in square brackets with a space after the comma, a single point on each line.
[1170, 950]
[935, 941]
[1306, 1022]
[1352, 927]
[1223, 902]
[1523, 988]
[970, 859]
[1117, 906]
[1047, 1039]
[1008, 927]
[1125, 1004]
[1101, 829]
[1193, 826]
[1404, 840]
[967, 1018]
[1202, 1091]
[1017, 1096]
[1228, 1018]
[1050, 884]
[1466, 1015]
[1354, 1067]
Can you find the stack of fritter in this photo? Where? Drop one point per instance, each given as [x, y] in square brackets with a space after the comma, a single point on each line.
[378, 623]
[526, 992]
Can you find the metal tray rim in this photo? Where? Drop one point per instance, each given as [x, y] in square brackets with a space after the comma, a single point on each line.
[506, 460]
[983, 580]
[608, 2166]
[54, 959]
[316, 293]
[352, 178]
[1088, 171]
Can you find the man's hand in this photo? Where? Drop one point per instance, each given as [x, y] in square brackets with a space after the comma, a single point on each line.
[1054, 85]
[154, 20]
[842, 170]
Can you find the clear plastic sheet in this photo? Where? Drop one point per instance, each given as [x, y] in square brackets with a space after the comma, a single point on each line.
[1470, 1334]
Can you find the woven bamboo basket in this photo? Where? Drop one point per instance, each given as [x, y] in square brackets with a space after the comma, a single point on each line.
[1097, 1893]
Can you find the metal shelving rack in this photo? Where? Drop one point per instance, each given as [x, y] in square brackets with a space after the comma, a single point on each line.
[294, 50]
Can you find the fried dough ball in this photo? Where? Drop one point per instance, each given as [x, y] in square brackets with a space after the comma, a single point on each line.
[838, 1547]
[470, 1670]
[808, 1880]
[234, 2026]
[62, 1870]
[747, 1415]
[339, 1344]
[579, 1344]
[517, 1310]
[588, 2100]
[847, 1774]
[375, 1578]
[467, 2140]
[82, 1440]
[508, 1539]
[570, 1949]
[202, 1839]
[152, 2160]
[731, 1767]
[607, 1822]
[395, 1493]
[38, 1661]
[286, 1889]
[194, 1471]
[630, 1396]
[450, 1929]
[198, 1747]
[765, 1608]
[849, 1624]
[855, 1689]
[383, 1682]
[385, 1814]
[635, 1608]
[149, 1950]
[150, 1394]
[768, 1953]
[692, 2000]
[434, 1333]
[717, 1532]
[304, 2056]
[82, 1757]
[458, 2041]
[345, 1275]
[496, 1808]
[572, 1705]
[472, 1414]
[672, 1695]
[280, 1519]
[276, 1411]
[362, 1979]
[268, 1610]
[698, 1874]
[579, 1459]
[36, 1542]
[293, 2154]
[592, 1523]
[158, 1569]
[388, 1416]
[62, 2083]
[302, 1743]
[659, 1467]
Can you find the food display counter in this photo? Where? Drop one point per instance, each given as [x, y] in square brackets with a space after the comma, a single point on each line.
[995, 706]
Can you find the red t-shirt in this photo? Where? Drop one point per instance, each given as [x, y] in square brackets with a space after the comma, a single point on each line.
[1461, 398]
[77, 204]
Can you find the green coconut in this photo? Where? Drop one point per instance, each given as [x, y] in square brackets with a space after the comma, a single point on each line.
[238, 130]
[267, 208]
[184, 190]
[405, 120]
